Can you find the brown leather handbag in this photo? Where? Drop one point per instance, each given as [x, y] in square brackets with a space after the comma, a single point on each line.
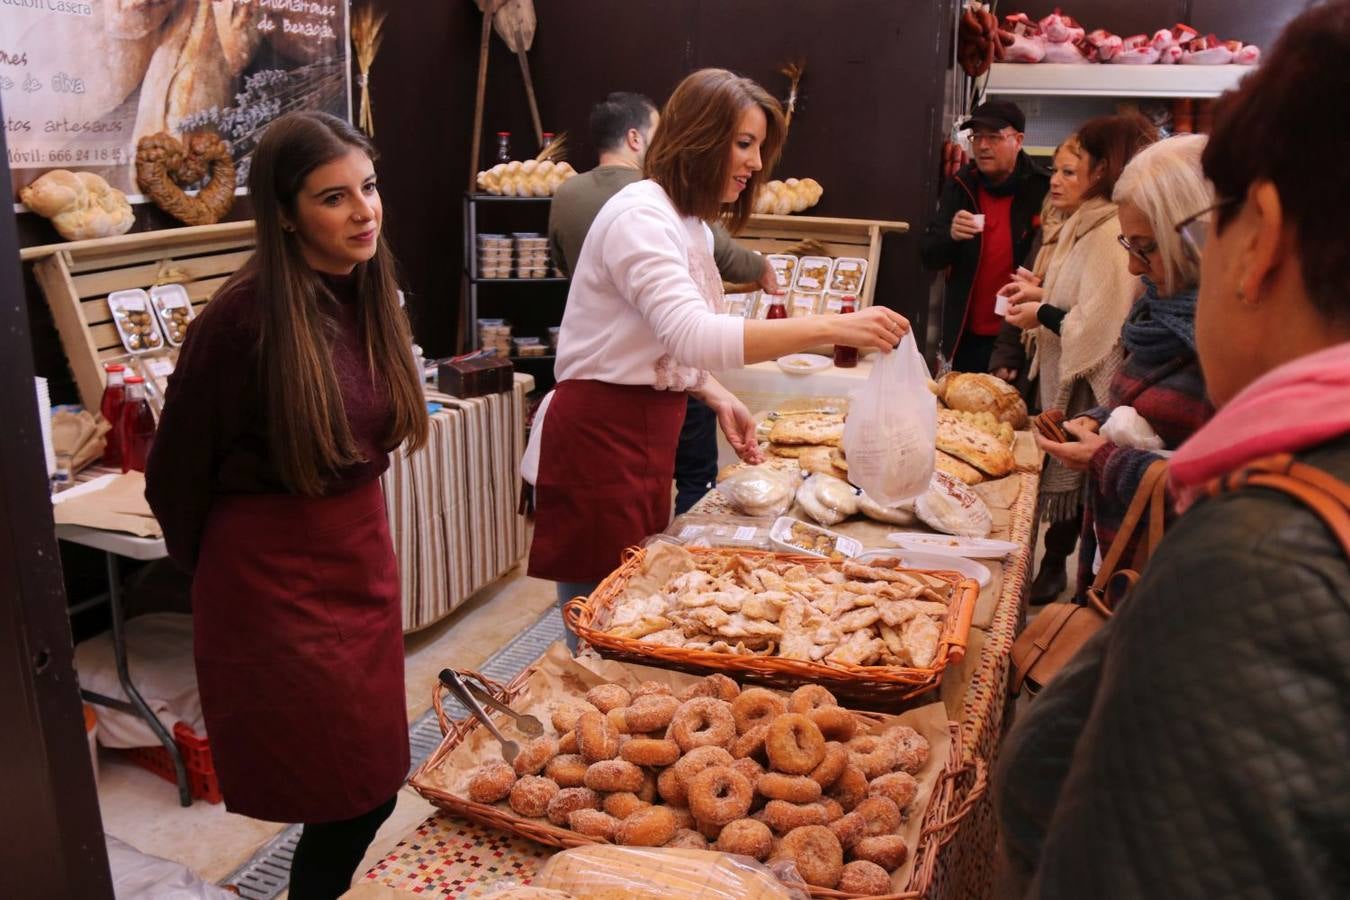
[1053, 638]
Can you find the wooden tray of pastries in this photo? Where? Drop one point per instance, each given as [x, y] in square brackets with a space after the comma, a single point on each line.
[702, 765]
[873, 635]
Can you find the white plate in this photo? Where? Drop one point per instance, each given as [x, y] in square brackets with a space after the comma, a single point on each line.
[804, 363]
[910, 559]
[782, 531]
[949, 545]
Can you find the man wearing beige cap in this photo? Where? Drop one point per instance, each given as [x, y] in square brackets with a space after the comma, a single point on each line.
[983, 231]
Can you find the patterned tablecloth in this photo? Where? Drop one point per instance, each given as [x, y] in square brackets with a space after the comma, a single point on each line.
[447, 856]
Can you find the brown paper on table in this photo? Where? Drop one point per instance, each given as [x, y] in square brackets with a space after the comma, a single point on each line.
[559, 678]
[79, 435]
[121, 506]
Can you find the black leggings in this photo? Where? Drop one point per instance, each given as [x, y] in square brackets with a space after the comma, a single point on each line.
[329, 852]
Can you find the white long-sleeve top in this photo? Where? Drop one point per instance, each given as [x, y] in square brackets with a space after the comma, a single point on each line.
[634, 308]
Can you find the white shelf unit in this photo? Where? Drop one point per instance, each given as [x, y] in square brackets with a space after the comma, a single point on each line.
[1107, 80]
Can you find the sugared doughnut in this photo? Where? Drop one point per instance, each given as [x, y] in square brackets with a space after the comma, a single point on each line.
[703, 722]
[623, 804]
[849, 789]
[605, 697]
[696, 761]
[593, 823]
[709, 830]
[849, 828]
[835, 722]
[783, 816]
[865, 878]
[647, 714]
[792, 788]
[832, 766]
[911, 748]
[747, 837]
[531, 794]
[809, 697]
[794, 744]
[886, 850]
[596, 738]
[873, 754]
[899, 787]
[568, 800]
[614, 775]
[751, 743]
[687, 839]
[671, 789]
[534, 755]
[880, 813]
[567, 744]
[565, 714]
[649, 827]
[749, 768]
[650, 752]
[832, 809]
[651, 689]
[568, 770]
[720, 794]
[647, 792]
[491, 782]
[756, 706]
[684, 819]
[816, 851]
[717, 686]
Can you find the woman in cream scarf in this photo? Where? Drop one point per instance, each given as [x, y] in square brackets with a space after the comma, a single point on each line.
[1078, 314]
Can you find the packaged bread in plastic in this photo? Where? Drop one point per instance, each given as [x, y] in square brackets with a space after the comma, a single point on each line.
[952, 508]
[827, 499]
[760, 490]
[606, 872]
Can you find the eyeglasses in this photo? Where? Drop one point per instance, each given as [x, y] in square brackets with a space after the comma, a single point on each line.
[990, 137]
[1139, 251]
[1194, 229]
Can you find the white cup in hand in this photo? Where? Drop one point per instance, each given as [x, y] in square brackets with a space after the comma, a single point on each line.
[1001, 304]
[977, 219]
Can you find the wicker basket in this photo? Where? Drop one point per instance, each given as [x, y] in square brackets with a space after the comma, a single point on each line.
[864, 687]
[958, 789]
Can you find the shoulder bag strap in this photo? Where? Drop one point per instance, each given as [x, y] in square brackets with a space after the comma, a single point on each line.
[1154, 477]
[1320, 491]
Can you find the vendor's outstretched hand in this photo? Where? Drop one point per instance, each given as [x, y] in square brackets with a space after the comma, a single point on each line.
[873, 328]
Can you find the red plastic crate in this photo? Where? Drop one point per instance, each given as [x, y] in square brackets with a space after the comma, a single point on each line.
[201, 771]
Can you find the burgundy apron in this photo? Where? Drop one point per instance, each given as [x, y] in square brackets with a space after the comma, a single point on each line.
[605, 467]
[299, 648]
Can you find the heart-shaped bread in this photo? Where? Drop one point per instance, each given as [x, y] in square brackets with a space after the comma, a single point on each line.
[164, 165]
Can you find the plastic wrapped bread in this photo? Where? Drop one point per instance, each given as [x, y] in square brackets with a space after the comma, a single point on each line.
[605, 872]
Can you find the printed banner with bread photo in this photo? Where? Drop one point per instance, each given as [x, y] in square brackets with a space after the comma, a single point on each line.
[83, 81]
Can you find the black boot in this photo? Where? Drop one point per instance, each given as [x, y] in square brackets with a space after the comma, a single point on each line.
[1050, 581]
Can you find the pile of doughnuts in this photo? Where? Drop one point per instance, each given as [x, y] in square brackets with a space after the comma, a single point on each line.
[719, 768]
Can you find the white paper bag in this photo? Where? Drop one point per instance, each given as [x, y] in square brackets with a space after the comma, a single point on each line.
[891, 431]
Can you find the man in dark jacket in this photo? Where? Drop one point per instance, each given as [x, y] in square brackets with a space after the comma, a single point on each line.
[983, 231]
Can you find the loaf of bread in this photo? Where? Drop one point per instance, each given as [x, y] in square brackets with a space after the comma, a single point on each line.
[81, 205]
[530, 178]
[781, 198]
[977, 392]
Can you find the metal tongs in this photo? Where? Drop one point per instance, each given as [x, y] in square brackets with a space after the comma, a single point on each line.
[470, 694]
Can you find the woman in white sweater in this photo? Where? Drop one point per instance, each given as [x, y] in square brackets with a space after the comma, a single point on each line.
[642, 328]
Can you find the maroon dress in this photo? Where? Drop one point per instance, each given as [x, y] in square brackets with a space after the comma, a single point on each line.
[297, 614]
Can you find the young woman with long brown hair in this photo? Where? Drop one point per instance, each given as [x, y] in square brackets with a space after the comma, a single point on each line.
[641, 330]
[292, 387]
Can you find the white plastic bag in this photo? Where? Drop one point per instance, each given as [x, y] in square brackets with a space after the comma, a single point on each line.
[891, 431]
[1126, 428]
[760, 490]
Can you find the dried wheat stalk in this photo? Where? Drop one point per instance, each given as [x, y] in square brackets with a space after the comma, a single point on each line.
[367, 34]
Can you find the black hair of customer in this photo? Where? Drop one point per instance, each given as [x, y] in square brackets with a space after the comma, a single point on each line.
[612, 117]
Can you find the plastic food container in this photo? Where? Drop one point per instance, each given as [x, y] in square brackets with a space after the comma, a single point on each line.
[174, 308]
[741, 304]
[721, 531]
[785, 267]
[135, 321]
[495, 334]
[795, 536]
[529, 346]
[532, 272]
[834, 303]
[805, 304]
[813, 273]
[848, 275]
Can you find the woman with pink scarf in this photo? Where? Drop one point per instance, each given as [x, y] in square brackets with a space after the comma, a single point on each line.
[1199, 744]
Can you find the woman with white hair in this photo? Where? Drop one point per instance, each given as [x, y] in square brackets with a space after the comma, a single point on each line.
[1160, 379]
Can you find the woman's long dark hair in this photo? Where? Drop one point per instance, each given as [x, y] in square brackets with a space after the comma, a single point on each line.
[310, 436]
